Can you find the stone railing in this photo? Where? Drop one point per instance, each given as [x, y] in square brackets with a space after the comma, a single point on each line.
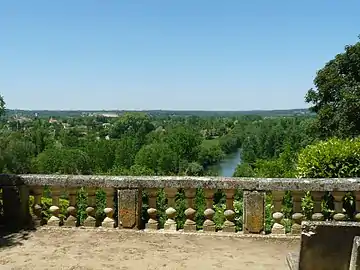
[124, 200]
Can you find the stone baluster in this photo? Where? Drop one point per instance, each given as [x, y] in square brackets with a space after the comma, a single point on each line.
[36, 207]
[338, 205]
[190, 224]
[229, 225]
[357, 205]
[170, 223]
[109, 221]
[297, 216]
[152, 223]
[90, 220]
[278, 216]
[209, 224]
[54, 220]
[71, 220]
[317, 197]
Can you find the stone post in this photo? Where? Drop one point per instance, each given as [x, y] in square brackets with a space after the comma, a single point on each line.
[253, 211]
[190, 224]
[152, 223]
[90, 220]
[129, 207]
[54, 220]
[170, 223]
[71, 220]
[36, 207]
[317, 197]
[278, 228]
[297, 216]
[357, 205]
[229, 225]
[338, 203]
[209, 224]
[109, 221]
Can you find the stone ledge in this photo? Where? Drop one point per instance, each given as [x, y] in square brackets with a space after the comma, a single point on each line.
[179, 232]
[262, 184]
[292, 260]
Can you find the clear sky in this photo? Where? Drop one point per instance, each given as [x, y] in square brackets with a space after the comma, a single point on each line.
[168, 54]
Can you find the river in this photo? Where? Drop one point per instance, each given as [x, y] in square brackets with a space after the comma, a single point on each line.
[227, 166]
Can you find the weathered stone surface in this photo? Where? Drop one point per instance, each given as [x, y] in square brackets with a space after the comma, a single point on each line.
[129, 208]
[327, 245]
[268, 184]
[292, 260]
[253, 209]
[355, 254]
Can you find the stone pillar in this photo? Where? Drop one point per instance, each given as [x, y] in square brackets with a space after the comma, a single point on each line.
[357, 205]
[15, 202]
[317, 197]
[109, 221]
[190, 224]
[338, 203]
[129, 207]
[37, 192]
[278, 228]
[253, 211]
[90, 220]
[71, 220]
[209, 224]
[152, 223]
[54, 220]
[229, 225]
[297, 216]
[170, 223]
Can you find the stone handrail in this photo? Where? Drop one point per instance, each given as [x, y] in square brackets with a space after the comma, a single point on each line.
[124, 195]
[260, 184]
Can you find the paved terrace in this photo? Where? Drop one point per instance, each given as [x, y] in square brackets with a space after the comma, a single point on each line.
[119, 240]
[124, 249]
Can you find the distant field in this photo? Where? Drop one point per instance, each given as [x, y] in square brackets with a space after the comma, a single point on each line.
[76, 113]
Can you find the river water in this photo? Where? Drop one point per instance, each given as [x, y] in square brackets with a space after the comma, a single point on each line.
[228, 165]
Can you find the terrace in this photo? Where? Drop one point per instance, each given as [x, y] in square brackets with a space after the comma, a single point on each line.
[132, 234]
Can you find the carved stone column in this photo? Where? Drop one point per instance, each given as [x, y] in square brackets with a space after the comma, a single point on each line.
[71, 220]
[37, 192]
[278, 216]
[152, 223]
[297, 216]
[317, 197]
[229, 225]
[109, 221]
[170, 223]
[90, 220]
[357, 205]
[190, 224]
[54, 208]
[338, 203]
[209, 224]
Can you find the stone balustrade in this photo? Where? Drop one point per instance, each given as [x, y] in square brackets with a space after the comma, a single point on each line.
[260, 202]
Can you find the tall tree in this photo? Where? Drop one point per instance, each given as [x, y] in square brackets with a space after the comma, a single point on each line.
[336, 99]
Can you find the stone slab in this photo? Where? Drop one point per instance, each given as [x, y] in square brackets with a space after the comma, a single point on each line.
[254, 211]
[129, 208]
[355, 254]
[292, 260]
[327, 245]
[123, 182]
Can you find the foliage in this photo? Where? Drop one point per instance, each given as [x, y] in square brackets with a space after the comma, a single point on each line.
[331, 158]
[336, 97]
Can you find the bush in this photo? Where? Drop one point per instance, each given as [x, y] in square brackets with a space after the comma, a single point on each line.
[332, 158]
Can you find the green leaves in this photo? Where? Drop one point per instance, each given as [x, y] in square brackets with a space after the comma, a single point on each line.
[331, 158]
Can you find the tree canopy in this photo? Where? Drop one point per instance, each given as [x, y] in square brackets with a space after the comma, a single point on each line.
[336, 99]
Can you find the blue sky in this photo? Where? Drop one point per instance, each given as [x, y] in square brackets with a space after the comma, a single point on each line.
[161, 54]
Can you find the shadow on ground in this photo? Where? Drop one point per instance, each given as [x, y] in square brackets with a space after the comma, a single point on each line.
[14, 237]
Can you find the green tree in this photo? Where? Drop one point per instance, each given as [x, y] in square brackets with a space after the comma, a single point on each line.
[2, 106]
[336, 98]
